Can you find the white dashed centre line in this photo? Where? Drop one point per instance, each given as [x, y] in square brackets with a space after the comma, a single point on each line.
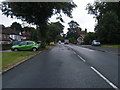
[81, 58]
[74, 52]
[103, 77]
[109, 82]
[87, 49]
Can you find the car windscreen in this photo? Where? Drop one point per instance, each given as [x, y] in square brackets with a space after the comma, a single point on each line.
[16, 42]
[96, 41]
[30, 43]
[23, 43]
[38, 42]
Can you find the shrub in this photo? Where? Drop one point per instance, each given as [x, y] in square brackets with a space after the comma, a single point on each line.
[42, 45]
[6, 46]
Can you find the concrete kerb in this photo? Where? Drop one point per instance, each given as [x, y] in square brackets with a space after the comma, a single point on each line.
[15, 65]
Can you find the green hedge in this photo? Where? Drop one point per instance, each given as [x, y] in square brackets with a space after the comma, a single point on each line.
[6, 46]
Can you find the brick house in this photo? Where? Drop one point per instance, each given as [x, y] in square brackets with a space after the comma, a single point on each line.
[26, 35]
[82, 35]
[7, 35]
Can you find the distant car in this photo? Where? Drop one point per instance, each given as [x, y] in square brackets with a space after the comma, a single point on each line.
[95, 43]
[59, 42]
[38, 43]
[52, 43]
[66, 41]
[26, 45]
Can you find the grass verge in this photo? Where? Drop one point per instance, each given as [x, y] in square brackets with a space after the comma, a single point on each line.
[113, 46]
[11, 58]
[49, 46]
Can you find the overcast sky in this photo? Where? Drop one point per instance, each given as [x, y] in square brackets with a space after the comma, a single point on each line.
[79, 15]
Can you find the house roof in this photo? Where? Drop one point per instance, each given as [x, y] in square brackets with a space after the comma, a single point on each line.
[10, 31]
[26, 33]
[82, 32]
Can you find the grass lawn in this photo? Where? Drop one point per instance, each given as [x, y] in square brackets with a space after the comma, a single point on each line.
[114, 46]
[11, 58]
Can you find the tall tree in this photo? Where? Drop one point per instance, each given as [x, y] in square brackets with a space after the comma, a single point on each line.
[30, 29]
[89, 37]
[73, 30]
[35, 35]
[108, 22]
[73, 26]
[17, 26]
[2, 26]
[54, 31]
[37, 13]
[108, 29]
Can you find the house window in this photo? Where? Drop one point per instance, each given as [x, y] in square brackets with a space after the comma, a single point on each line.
[0, 35]
[29, 43]
[4, 36]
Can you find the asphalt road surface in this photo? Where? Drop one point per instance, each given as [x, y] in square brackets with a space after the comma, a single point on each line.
[65, 66]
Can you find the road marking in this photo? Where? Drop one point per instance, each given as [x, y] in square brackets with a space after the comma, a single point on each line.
[0, 73]
[87, 49]
[74, 52]
[81, 58]
[109, 82]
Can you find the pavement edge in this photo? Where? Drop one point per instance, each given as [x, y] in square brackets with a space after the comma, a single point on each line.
[102, 50]
[15, 65]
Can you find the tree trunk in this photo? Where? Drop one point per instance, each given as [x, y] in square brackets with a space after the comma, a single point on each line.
[42, 31]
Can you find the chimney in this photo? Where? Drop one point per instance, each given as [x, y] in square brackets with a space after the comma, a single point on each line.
[85, 30]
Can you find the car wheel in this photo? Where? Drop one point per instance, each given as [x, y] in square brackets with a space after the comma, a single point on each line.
[15, 49]
[34, 49]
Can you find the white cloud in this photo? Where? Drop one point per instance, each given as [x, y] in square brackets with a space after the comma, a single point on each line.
[80, 16]
[7, 21]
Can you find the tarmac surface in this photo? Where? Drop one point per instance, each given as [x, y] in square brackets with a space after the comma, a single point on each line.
[103, 49]
[65, 66]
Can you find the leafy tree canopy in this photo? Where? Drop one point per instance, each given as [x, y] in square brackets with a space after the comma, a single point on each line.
[72, 24]
[30, 29]
[73, 30]
[108, 22]
[89, 37]
[17, 26]
[2, 26]
[99, 9]
[54, 31]
[37, 13]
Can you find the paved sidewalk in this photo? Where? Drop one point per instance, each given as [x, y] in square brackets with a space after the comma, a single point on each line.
[5, 51]
[103, 49]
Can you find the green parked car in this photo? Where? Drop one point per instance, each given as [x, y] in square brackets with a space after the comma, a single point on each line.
[26, 45]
